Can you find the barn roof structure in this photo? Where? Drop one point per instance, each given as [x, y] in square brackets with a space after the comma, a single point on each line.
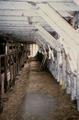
[19, 16]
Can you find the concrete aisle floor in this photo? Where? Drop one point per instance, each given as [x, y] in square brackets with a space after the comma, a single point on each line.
[38, 97]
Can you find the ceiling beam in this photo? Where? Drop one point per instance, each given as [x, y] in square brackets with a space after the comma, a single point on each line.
[19, 12]
[13, 5]
[5, 18]
[13, 26]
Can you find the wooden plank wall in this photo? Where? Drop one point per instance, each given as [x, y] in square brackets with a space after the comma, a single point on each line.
[10, 64]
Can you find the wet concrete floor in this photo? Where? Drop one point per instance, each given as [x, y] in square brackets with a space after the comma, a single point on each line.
[39, 97]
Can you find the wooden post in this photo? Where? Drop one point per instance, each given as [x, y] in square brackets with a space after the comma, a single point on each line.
[5, 66]
[1, 103]
[5, 82]
[10, 69]
[17, 62]
[13, 71]
[77, 84]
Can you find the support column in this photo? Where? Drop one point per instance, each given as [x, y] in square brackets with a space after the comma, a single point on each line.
[73, 86]
[1, 102]
[77, 83]
[59, 67]
[5, 66]
[63, 69]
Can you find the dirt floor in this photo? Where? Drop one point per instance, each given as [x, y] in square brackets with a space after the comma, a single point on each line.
[37, 96]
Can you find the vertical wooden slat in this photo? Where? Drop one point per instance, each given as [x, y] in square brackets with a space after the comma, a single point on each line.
[0, 77]
[16, 62]
[5, 66]
[5, 82]
[13, 71]
[10, 69]
[1, 103]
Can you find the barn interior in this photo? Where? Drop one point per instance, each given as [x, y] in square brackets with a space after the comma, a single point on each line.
[42, 34]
